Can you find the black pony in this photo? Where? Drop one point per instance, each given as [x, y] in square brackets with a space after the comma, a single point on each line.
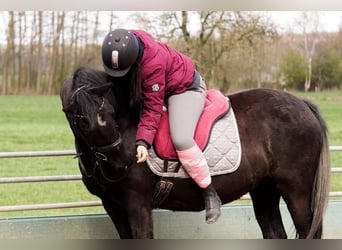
[284, 155]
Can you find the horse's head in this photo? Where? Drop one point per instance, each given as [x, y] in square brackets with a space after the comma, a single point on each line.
[88, 104]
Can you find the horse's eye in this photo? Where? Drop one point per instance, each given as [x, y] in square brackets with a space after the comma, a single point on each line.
[100, 120]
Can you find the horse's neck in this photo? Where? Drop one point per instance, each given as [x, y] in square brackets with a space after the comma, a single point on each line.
[127, 114]
[127, 122]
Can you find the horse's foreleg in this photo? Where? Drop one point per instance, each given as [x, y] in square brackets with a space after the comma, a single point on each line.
[133, 221]
[119, 217]
[266, 208]
[141, 222]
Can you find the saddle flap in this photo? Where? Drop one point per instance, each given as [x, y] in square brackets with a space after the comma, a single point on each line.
[216, 105]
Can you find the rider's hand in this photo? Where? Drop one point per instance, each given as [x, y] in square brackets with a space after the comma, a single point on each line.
[142, 154]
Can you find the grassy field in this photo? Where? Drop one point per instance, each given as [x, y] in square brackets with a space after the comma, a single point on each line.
[35, 123]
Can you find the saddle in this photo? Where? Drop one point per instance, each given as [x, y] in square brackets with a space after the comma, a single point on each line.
[217, 136]
[216, 106]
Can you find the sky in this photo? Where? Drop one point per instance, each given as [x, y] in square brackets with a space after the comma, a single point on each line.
[285, 20]
[329, 20]
[258, 5]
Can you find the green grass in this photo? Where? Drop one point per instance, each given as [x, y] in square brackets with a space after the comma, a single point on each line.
[37, 123]
[330, 105]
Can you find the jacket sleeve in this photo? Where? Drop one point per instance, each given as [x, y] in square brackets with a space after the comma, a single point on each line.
[153, 101]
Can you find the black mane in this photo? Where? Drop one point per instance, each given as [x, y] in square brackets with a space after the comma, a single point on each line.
[84, 81]
[88, 102]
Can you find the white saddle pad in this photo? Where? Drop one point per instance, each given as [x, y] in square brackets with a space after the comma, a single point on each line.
[223, 152]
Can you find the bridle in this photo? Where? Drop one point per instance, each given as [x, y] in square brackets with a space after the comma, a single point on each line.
[98, 151]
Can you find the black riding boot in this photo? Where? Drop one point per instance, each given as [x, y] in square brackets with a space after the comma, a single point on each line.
[212, 204]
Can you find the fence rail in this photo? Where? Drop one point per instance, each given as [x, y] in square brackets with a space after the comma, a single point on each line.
[28, 179]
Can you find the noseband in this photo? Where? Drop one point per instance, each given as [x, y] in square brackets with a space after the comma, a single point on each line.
[101, 150]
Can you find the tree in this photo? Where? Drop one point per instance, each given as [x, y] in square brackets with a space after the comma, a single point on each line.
[8, 63]
[39, 20]
[231, 50]
[210, 37]
[328, 70]
[309, 24]
[292, 69]
[58, 26]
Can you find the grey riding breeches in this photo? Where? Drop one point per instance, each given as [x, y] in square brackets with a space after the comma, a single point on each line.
[184, 112]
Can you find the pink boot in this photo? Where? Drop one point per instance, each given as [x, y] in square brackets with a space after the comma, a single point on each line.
[197, 167]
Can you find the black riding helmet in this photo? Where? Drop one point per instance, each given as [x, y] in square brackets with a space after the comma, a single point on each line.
[120, 50]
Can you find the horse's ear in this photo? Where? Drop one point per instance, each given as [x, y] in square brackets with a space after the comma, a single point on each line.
[101, 89]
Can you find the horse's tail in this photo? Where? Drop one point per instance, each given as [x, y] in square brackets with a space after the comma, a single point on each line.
[321, 185]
